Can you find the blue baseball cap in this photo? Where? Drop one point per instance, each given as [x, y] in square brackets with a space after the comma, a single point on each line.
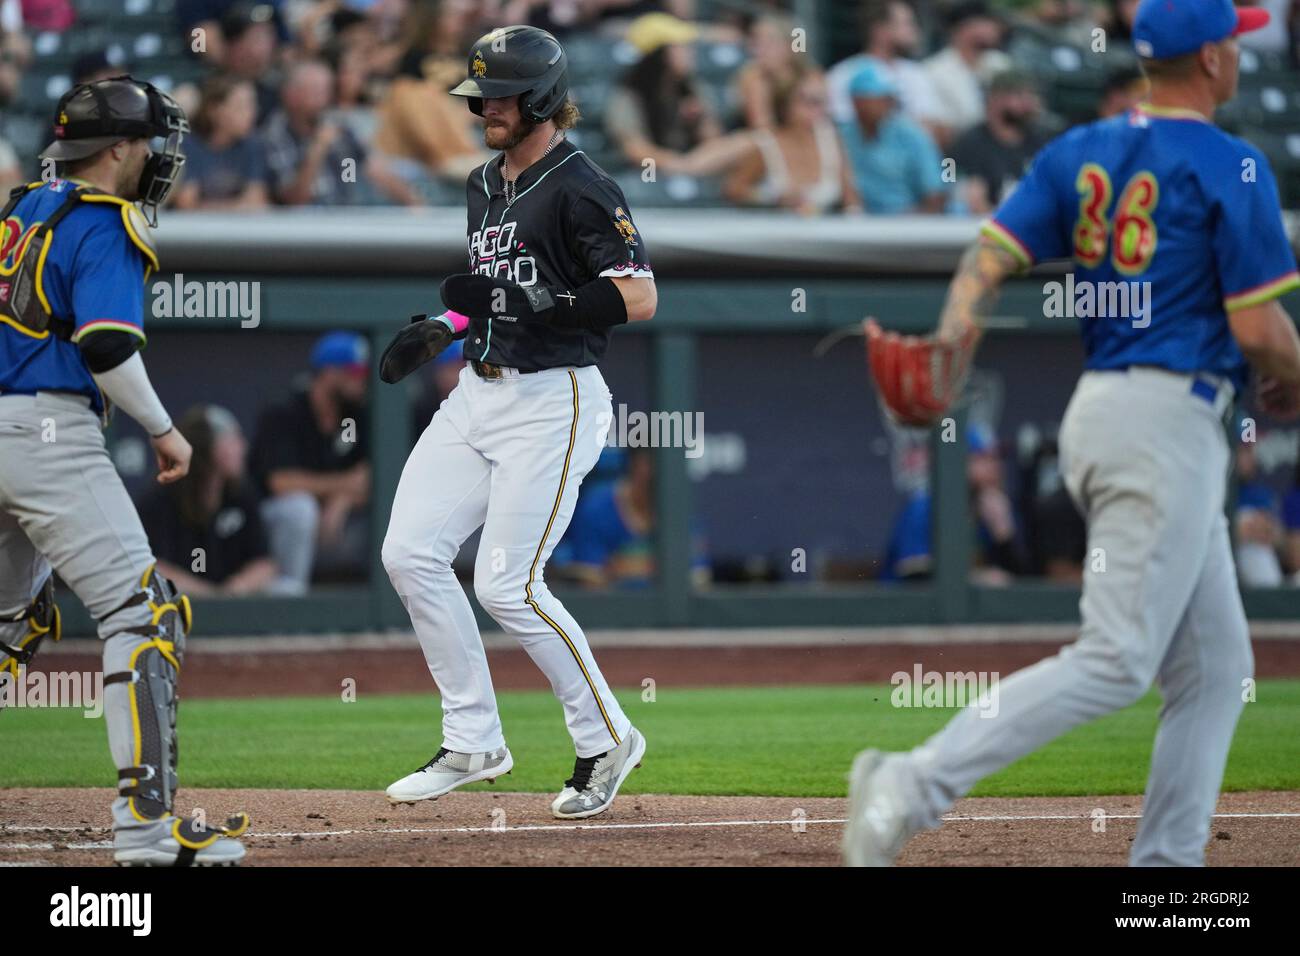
[872, 80]
[1163, 29]
[341, 350]
[979, 438]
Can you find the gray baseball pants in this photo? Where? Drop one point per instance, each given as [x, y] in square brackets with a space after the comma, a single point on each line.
[1147, 460]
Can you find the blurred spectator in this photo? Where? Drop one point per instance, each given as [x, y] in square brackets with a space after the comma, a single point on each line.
[1117, 21]
[11, 170]
[423, 131]
[225, 165]
[46, 16]
[1125, 88]
[1069, 22]
[801, 164]
[313, 158]
[248, 51]
[891, 36]
[960, 69]
[992, 156]
[311, 458]
[352, 84]
[1291, 521]
[1054, 529]
[207, 26]
[896, 166]
[205, 529]
[998, 554]
[610, 541]
[773, 69]
[12, 58]
[561, 16]
[1275, 36]
[377, 32]
[1257, 528]
[97, 65]
[657, 106]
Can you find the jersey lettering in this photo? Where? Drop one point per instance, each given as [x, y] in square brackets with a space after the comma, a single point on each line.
[1093, 184]
[492, 252]
[1134, 231]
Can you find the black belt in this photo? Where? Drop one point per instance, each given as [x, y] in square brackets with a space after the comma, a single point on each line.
[488, 370]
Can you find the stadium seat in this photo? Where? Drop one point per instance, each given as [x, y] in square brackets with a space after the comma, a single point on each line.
[1283, 151]
[1273, 105]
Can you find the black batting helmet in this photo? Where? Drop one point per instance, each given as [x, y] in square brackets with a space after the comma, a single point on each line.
[518, 61]
[93, 116]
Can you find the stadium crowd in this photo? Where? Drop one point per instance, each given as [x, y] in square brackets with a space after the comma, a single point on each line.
[918, 107]
[937, 108]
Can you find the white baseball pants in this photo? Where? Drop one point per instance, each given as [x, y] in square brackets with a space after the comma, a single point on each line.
[507, 454]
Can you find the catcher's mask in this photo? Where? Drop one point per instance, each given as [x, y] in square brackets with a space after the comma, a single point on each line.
[93, 116]
[517, 61]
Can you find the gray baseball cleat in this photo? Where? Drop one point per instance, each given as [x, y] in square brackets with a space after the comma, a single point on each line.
[447, 771]
[595, 781]
[878, 824]
[179, 841]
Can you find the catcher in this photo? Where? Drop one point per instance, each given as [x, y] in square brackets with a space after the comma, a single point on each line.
[71, 314]
[1156, 196]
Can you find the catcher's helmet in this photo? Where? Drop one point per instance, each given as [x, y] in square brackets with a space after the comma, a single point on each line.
[93, 116]
[518, 61]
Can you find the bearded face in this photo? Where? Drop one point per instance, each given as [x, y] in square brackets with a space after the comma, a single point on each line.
[503, 125]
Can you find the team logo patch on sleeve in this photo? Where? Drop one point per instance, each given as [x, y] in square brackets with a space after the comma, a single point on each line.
[624, 226]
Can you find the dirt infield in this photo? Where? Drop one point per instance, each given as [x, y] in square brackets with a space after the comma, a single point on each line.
[351, 828]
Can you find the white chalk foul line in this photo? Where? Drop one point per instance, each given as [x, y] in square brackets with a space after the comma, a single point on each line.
[562, 827]
[98, 845]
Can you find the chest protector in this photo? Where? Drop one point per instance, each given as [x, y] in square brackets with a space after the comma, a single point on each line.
[23, 302]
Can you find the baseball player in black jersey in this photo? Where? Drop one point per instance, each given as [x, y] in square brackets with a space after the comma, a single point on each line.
[555, 262]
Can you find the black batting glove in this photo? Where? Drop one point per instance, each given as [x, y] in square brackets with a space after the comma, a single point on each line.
[416, 344]
[483, 297]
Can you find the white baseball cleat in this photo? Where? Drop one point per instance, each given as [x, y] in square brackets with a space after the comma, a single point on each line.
[447, 771]
[877, 826]
[595, 781]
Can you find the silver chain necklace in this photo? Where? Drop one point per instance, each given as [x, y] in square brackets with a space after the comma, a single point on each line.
[509, 184]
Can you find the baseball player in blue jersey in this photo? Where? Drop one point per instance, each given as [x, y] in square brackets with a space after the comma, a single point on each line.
[1160, 209]
[75, 253]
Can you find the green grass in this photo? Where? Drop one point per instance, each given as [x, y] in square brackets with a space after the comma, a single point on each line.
[795, 741]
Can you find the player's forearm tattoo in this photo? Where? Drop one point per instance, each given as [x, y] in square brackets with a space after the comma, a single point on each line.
[974, 289]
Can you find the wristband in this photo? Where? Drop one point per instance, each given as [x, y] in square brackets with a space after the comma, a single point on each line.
[454, 321]
[596, 306]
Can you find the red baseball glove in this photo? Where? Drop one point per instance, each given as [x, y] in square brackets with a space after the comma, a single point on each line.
[918, 377]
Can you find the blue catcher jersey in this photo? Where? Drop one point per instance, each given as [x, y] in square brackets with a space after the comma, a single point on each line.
[92, 276]
[1165, 203]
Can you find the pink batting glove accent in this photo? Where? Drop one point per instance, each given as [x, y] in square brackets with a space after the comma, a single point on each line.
[455, 320]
